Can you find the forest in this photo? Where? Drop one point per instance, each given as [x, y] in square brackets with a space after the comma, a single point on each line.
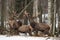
[35, 17]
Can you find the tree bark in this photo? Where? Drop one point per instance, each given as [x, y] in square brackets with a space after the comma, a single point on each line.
[35, 10]
[2, 13]
[40, 11]
[49, 14]
[54, 22]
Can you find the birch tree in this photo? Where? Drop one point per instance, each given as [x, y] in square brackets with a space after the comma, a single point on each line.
[52, 15]
[49, 15]
[54, 22]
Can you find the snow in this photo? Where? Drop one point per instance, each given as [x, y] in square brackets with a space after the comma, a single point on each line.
[4, 37]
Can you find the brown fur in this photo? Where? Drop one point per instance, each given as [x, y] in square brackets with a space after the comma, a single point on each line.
[25, 29]
[14, 25]
[39, 26]
[43, 27]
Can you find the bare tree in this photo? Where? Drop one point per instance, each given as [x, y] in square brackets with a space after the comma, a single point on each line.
[2, 12]
[49, 14]
[54, 22]
[35, 10]
[58, 11]
[52, 15]
[40, 11]
[25, 20]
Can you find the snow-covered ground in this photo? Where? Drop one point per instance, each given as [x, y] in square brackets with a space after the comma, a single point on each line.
[26, 38]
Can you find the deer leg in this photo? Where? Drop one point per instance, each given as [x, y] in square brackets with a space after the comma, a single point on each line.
[30, 33]
[25, 33]
[16, 31]
[36, 32]
[46, 32]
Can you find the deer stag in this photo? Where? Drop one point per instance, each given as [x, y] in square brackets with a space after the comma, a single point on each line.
[14, 25]
[25, 28]
[44, 28]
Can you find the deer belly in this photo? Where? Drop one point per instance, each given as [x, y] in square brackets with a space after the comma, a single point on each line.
[23, 29]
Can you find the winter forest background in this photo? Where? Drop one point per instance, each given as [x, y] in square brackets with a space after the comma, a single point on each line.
[42, 11]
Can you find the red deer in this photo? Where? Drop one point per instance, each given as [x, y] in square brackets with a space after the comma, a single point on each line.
[19, 27]
[14, 25]
[25, 29]
[39, 26]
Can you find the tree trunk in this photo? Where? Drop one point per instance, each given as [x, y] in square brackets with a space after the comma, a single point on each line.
[52, 15]
[2, 13]
[58, 11]
[25, 20]
[54, 22]
[49, 15]
[40, 11]
[35, 10]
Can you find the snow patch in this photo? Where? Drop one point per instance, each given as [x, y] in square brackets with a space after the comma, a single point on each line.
[4, 37]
